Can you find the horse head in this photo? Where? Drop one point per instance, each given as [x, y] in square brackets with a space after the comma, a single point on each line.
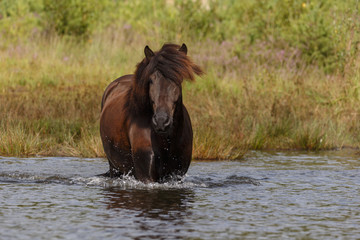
[164, 97]
[168, 68]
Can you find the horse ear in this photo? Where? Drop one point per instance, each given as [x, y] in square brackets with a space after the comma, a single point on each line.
[183, 48]
[148, 53]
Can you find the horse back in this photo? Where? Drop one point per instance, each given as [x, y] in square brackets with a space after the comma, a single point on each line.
[117, 87]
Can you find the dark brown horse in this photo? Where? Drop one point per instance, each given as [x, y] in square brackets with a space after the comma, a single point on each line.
[144, 126]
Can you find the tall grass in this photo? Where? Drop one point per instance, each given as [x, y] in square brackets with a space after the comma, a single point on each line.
[271, 82]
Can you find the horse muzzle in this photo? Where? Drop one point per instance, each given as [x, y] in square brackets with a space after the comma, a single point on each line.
[162, 122]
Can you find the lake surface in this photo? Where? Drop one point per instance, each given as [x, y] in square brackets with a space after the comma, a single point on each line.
[289, 195]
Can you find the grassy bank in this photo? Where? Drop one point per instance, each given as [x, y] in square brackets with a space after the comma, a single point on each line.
[270, 84]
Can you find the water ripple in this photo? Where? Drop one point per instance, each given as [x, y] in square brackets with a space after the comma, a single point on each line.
[267, 196]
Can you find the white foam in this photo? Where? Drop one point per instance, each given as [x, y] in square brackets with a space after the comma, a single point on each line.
[128, 182]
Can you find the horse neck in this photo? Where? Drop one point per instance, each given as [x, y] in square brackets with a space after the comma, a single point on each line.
[178, 117]
[139, 101]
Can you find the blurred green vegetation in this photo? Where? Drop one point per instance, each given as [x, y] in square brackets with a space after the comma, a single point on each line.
[322, 32]
[279, 74]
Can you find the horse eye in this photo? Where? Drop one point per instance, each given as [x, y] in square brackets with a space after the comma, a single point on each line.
[150, 81]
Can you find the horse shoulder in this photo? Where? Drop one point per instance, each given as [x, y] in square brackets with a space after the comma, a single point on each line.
[186, 126]
[182, 149]
[140, 136]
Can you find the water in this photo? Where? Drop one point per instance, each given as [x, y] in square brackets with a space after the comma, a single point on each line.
[266, 196]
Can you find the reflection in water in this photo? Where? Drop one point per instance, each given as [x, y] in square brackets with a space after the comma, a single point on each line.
[156, 210]
[163, 204]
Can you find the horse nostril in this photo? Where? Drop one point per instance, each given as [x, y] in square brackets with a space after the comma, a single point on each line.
[167, 122]
[154, 121]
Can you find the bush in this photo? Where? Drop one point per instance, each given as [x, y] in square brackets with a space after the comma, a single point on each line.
[312, 33]
[18, 20]
[72, 17]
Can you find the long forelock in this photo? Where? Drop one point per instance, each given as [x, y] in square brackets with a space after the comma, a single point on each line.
[171, 63]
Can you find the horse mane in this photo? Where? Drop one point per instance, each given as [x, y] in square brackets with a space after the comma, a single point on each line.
[173, 64]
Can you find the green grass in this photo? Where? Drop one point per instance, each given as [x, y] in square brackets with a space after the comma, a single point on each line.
[263, 88]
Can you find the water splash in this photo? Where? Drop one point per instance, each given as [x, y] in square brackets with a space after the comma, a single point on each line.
[129, 182]
[125, 182]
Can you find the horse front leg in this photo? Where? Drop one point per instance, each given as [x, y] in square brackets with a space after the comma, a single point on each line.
[144, 164]
[143, 154]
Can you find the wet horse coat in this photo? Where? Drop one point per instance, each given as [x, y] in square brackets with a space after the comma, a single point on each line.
[144, 126]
